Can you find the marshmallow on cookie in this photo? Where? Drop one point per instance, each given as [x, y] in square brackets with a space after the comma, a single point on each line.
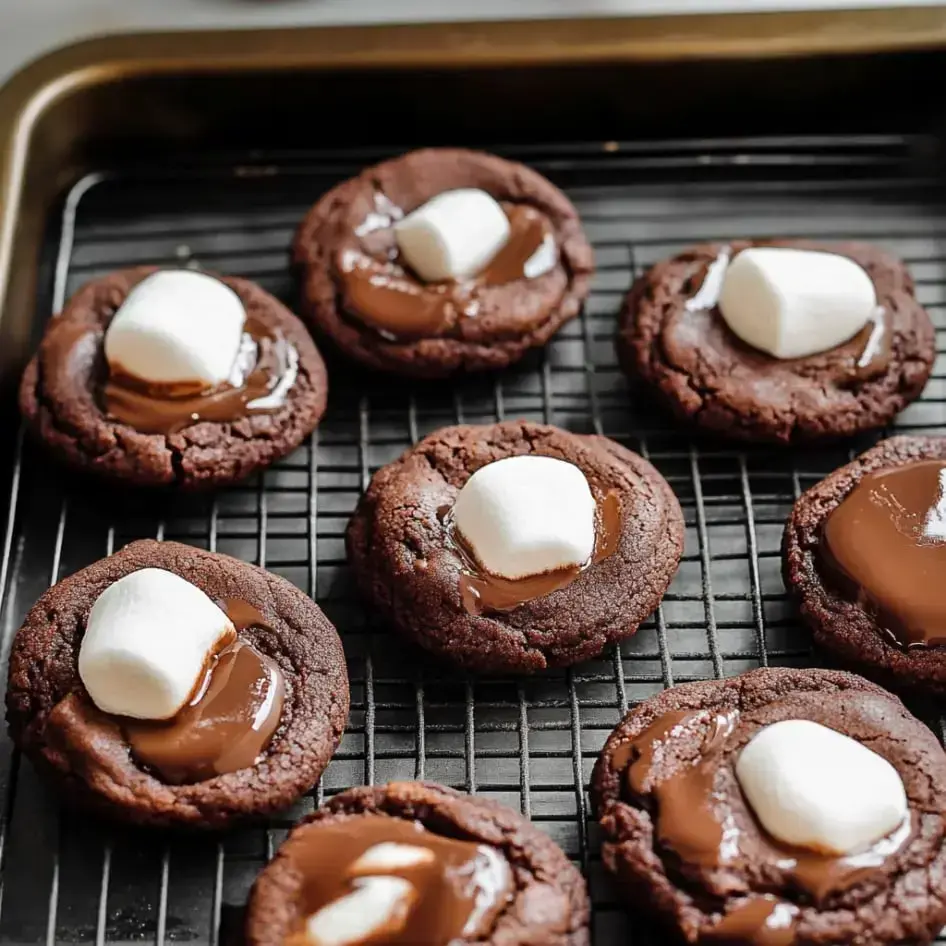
[376, 907]
[149, 640]
[452, 236]
[177, 327]
[526, 515]
[816, 788]
[457, 234]
[792, 303]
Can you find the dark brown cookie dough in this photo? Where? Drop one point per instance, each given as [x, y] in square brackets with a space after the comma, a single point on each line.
[839, 624]
[550, 903]
[706, 374]
[59, 398]
[409, 570]
[511, 318]
[900, 901]
[102, 775]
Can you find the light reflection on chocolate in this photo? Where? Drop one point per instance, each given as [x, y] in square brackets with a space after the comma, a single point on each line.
[884, 547]
[690, 813]
[757, 921]
[482, 592]
[711, 283]
[870, 347]
[875, 351]
[265, 370]
[384, 293]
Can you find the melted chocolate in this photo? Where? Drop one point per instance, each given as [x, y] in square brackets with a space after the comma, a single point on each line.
[482, 592]
[459, 889]
[242, 614]
[383, 292]
[691, 820]
[873, 343]
[228, 723]
[265, 370]
[870, 347]
[757, 921]
[686, 822]
[224, 729]
[884, 546]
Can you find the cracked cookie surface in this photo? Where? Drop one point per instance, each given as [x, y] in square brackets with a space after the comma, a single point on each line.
[550, 901]
[59, 399]
[409, 570]
[707, 375]
[510, 318]
[840, 625]
[902, 900]
[101, 773]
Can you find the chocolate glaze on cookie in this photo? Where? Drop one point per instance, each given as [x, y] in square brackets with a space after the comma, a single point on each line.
[673, 337]
[483, 592]
[357, 291]
[225, 726]
[249, 761]
[459, 890]
[527, 891]
[684, 844]
[864, 557]
[885, 545]
[155, 436]
[410, 569]
[384, 294]
[266, 370]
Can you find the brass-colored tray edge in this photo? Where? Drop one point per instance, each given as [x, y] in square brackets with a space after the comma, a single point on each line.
[62, 75]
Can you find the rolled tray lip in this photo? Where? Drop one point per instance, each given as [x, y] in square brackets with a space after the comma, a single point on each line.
[32, 91]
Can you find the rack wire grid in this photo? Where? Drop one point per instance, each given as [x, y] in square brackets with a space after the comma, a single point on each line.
[530, 742]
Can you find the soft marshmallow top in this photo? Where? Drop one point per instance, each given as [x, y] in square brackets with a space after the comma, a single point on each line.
[813, 787]
[454, 235]
[377, 906]
[527, 515]
[147, 642]
[391, 856]
[177, 327]
[794, 303]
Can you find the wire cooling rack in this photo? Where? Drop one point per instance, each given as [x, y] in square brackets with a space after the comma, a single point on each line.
[531, 742]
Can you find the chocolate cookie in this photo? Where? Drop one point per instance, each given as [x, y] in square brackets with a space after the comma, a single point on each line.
[884, 619]
[356, 291]
[518, 886]
[89, 754]
[706, 374]
[409, 566]
[65, 397]
[684, 845]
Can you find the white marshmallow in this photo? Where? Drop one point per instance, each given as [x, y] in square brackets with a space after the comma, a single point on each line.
[793, 303]
[376, 905]
[390, 856]
[146, 644]
[454, 235]
[813, 787]
[527, 515]
[177, 327]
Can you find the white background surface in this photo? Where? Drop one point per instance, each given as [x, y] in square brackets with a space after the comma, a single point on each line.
[30, 27]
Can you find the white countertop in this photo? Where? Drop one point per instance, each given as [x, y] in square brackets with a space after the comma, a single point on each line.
[28, 28]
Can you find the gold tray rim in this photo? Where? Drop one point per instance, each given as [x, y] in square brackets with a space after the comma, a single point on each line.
[32, 92]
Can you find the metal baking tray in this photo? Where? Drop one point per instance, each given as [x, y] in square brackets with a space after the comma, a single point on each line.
[206, 149]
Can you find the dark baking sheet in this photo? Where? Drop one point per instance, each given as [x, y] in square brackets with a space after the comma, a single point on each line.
[530, 743]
